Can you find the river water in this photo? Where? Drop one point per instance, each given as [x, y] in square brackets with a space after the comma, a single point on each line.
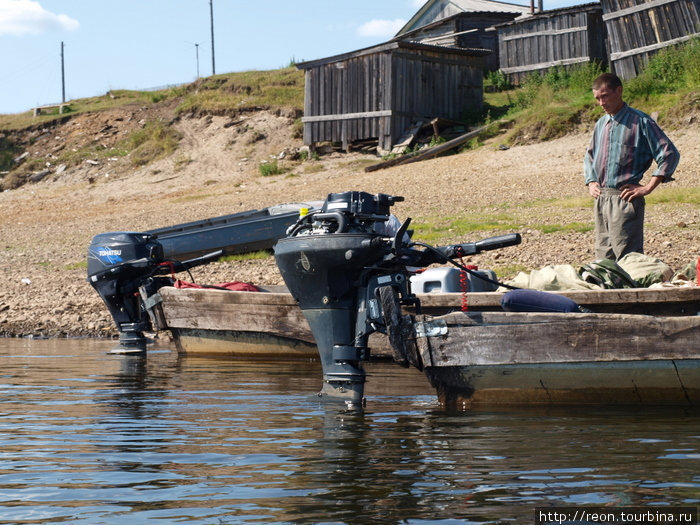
[87, 437]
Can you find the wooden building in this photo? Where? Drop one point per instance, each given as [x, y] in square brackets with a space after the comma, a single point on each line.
[462, 23]
[559, 37]
[466, 30]
[378, 92]
[637, 29]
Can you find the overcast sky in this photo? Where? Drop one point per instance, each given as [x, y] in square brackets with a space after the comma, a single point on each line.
[130, 44]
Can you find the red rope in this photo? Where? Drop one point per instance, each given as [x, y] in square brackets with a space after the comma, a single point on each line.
[170, 265]
[464, 286]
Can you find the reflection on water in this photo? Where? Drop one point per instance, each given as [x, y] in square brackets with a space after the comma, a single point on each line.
[92, 438]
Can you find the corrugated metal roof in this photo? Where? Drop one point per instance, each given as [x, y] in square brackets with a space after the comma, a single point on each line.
[388, 46]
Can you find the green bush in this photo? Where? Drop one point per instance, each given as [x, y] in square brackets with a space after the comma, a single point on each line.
[671, 69]
[267, 169]
[498, 80]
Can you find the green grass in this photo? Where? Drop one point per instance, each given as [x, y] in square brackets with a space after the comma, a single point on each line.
[313, 168]
[508, 271]
[191, 198]
[262, 254]
[82, 265]
[154, 141]
[270, 168]
[112, 99]
[674, 195]
[432, 229]
[578, 227]
[223, 94]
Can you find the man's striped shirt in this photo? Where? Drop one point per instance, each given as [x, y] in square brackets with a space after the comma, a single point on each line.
[623, 146]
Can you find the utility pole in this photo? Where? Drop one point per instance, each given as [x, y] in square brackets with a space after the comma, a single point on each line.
[63, 78]
[211, 14]
[196, 50]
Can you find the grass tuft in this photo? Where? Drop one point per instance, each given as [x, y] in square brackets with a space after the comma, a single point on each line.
[154, 141]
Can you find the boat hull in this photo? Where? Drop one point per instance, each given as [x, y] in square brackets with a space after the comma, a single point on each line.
[241, 343]
[628, 383]
[246, 324]
[503, 358]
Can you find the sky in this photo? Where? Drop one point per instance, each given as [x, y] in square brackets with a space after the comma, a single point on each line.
[144, 44]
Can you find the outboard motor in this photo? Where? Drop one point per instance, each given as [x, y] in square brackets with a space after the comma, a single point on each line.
[347, 267]
[122, 266]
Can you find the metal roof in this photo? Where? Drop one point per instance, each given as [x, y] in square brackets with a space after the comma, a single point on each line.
[389, 46]
[434, 10]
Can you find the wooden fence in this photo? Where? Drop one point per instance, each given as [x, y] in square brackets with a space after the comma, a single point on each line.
[636, 30]
[560, 37]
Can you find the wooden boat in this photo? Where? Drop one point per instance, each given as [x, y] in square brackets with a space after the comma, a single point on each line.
[270, 323]
[641, 347]
[491, 358]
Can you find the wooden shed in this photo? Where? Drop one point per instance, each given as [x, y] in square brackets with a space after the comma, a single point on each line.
[468, 30]
[637, 29]
[378, 92]
[558, 37]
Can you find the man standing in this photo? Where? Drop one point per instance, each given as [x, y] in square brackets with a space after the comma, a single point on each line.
[624, 143]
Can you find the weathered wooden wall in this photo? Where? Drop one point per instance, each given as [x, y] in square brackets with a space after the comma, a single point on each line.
[638, 29]
[561, 37]
[430, 84]
[347, 100]
[465, 30]
[377, 93]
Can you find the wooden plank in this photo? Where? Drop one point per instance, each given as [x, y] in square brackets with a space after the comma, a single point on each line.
[429, 153]
[652, 47]
[193, 296]
[625, 297]
[636, 9]
[547, 32]
[347, 116]
[287, 321]
[545, 65]
[497, 338]
[407, 138]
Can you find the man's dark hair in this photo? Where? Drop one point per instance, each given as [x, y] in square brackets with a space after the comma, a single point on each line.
[610, 80]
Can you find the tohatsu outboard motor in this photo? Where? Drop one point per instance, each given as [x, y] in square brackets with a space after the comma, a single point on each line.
[125, 266]
[347, 267]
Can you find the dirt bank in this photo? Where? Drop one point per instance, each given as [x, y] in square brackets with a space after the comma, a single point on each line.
[45, 227]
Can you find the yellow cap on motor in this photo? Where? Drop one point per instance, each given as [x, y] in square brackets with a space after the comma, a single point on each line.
[303, 212]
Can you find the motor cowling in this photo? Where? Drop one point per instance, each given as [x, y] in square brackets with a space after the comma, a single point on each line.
[118, 264]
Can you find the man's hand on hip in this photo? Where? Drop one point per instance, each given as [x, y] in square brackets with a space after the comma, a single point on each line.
[594, 189]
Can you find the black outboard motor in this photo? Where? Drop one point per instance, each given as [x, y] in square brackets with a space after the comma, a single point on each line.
[323, 263]
[122, 266]
[346, 266]
[118, 263]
